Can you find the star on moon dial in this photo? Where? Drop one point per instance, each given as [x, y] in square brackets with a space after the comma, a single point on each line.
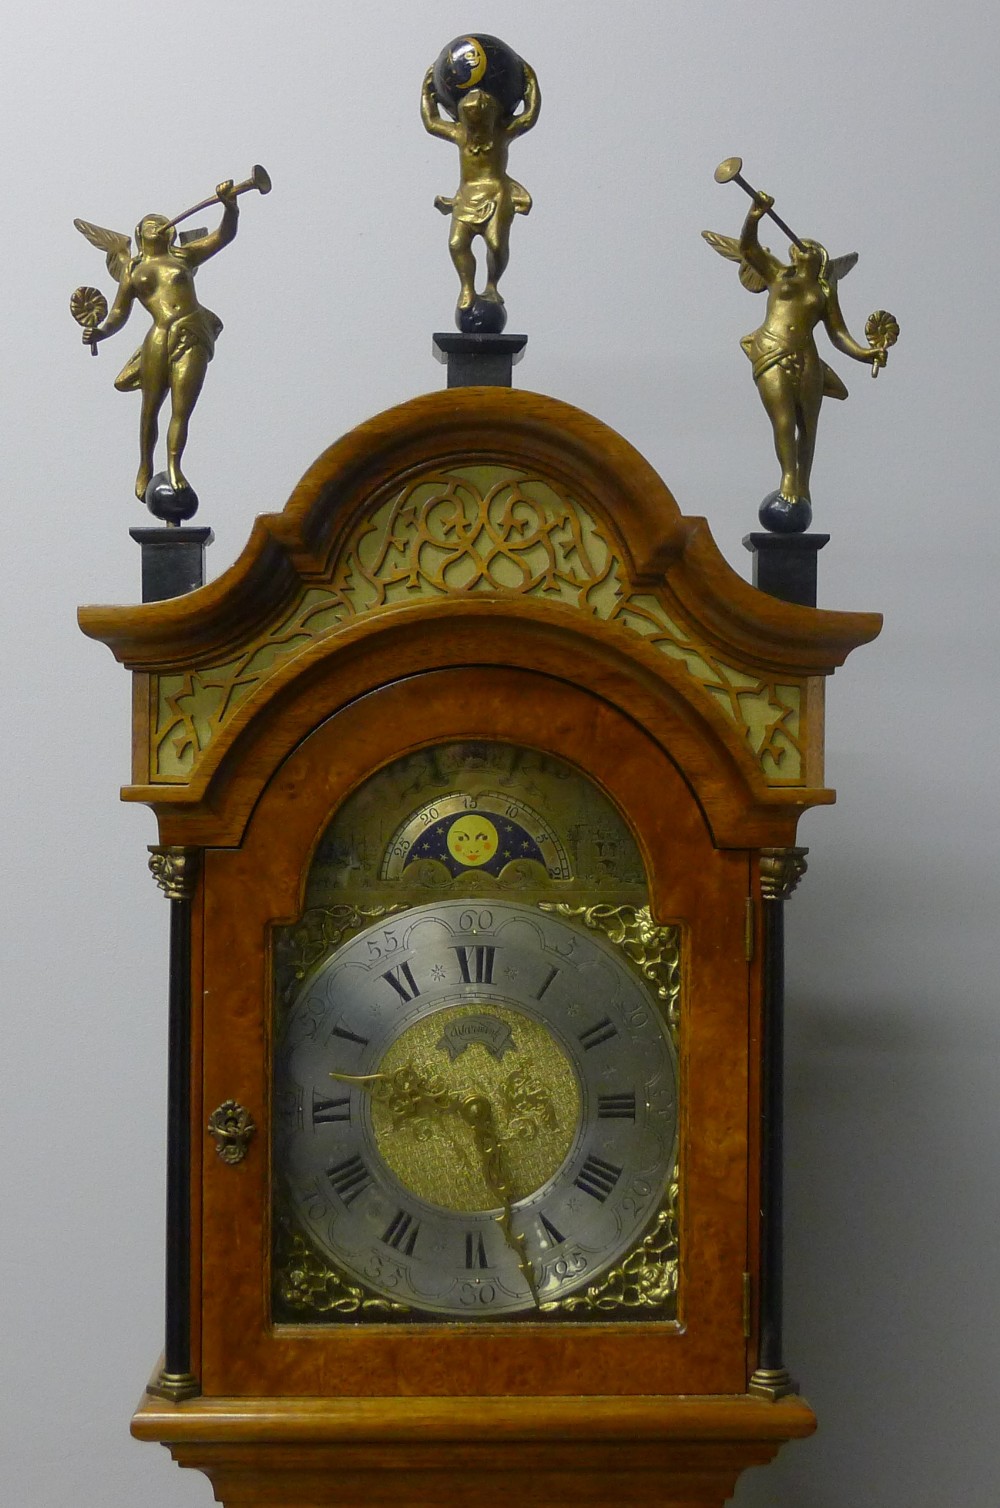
[477, 1109]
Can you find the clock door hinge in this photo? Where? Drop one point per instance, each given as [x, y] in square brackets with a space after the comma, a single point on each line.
[749, 928]
[747, 1304]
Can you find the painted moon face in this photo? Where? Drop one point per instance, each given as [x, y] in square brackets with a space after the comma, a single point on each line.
[473, 840]
[472, 57]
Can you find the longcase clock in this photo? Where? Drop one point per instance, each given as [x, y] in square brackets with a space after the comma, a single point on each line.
[477, 779]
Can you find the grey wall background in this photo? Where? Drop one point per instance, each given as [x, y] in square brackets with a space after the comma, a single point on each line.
[875, 126]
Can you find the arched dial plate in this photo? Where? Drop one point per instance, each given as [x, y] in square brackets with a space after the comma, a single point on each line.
[479, 1108]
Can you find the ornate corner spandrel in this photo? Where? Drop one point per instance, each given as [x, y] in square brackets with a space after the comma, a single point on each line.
[650, 948]
[306, 1283]
[645, 1279]
[781, 869]
[175, 870]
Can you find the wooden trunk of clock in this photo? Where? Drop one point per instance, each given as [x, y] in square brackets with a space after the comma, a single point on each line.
[475, 754]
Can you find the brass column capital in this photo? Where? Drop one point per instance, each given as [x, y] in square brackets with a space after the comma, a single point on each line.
[175, 870]
[781, 869]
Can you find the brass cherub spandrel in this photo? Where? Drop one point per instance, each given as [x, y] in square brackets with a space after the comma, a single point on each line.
[791, 378]
[175, 353]
[480, 82]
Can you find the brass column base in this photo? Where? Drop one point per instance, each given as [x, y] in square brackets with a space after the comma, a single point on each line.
[772, 1383]
[174, 1386]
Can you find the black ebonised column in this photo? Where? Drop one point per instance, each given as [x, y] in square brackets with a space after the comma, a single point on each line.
[175, 871]
[780, 871]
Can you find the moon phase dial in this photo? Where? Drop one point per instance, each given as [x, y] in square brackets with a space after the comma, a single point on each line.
[476, 1109]
[475, 833]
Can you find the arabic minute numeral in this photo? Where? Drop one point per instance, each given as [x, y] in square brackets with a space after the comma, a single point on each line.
[477, 1293]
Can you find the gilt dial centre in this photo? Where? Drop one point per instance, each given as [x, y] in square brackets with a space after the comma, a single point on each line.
[470, 1054]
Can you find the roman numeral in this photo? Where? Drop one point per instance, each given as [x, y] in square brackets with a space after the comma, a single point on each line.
[602, 1031]
[597, 1178]
[556, 1237]
[547, 981]
[402, 980]
[616, 1107]
[327, 1111]
[484, 954]
[475, 1251]
[349, 1178]
[401, 1233]
[348, 1036]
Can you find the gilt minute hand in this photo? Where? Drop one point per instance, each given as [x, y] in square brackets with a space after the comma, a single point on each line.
[477, 1111]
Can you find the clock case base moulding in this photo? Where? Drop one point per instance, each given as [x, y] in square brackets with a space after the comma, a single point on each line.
[564, 1452]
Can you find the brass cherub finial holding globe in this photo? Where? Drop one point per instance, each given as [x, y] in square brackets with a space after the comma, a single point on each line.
[791, 378]
[480, 82]
[175, 353]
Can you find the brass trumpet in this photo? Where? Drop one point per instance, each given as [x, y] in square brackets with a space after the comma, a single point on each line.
[731, 171]
[259, 179]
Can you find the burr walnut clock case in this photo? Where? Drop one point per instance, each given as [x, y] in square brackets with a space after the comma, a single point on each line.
[475, 777]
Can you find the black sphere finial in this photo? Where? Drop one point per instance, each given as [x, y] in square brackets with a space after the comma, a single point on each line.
[485, 316]
[174, 505]
[780, 516]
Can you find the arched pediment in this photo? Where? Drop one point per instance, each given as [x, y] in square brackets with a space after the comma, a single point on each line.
[465, 508]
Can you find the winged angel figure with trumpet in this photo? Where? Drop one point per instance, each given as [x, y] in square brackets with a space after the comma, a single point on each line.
[175, 353]
[790, 376]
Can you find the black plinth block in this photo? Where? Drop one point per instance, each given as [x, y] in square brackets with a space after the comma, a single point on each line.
[173, 560]
[479, 360]
[784, 565]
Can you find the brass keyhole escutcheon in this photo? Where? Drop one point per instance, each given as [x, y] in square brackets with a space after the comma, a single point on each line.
[231, 1126]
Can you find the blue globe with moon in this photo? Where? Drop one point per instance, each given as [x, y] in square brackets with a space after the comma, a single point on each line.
[479, 62]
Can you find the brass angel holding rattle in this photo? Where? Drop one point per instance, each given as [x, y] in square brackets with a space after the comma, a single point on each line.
[175, 353]
[791, 378]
